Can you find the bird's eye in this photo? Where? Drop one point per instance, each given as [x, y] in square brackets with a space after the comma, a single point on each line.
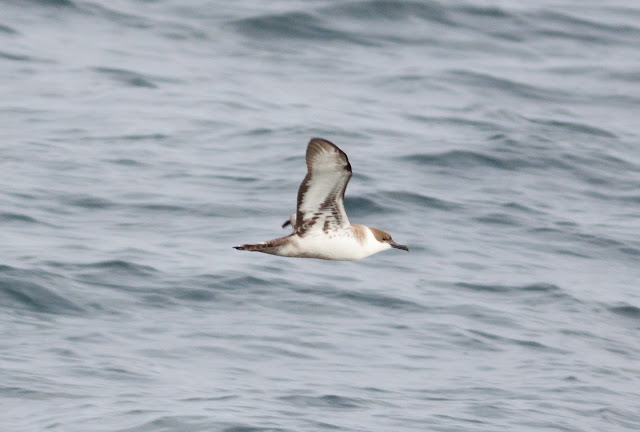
[386, 238]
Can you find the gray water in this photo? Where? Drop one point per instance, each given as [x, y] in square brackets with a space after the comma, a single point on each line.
[141, 140]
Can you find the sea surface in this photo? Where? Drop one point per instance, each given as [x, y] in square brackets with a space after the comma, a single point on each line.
[141, 140]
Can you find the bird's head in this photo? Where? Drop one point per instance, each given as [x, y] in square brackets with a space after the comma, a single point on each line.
[385, 238]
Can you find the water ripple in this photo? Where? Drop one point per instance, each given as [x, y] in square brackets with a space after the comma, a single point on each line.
[7, 30]
[130, 78]
[17, 217]
[509, 86]
[391, 10]
[627, 311]
[464, 159]
[406, 198]
[527, 343]
[19, 290]
[325, 401]
[120, 266]
[293, 25]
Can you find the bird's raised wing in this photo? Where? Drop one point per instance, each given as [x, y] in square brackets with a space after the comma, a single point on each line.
[321, 193]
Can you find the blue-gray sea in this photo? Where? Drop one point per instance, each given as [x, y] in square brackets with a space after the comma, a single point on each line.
[141, 140]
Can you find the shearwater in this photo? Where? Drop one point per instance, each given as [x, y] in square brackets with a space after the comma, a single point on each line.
[321, 228]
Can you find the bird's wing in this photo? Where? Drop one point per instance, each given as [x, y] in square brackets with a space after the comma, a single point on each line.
[321, 193]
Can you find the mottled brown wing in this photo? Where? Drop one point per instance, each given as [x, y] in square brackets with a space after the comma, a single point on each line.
[321, 193]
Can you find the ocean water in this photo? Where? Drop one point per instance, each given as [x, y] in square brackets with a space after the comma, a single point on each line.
[141, 140]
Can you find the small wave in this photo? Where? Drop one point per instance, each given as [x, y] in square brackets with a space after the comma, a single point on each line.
[508, 86]
[377, 10]
[492, 21]
[498, 219]
[541, 287]
[532, 294]
[630, 251]
[627, 311]
[192, 423]
[596, 240]
[16, 217]
[362, 206]
[631, 76]
[54, 3]
[484, 11]
[164, 208]
[90, 202]
[405, 198]
[292, 25]
[245, 283]
[127, 77]
[379, 300]
[406, 84]
[455, 121]
[196, 295]
[113, 15]
[575, 127]
[521, 342]
[568, 252]
[7, 30]
[563, 34]
[464, 159]
[325, 401]
[565, 20]
[180, 32]
[521, 208]
[15, 57]
[112, 267]
[519, 26]
[18, 290]
[135, 137]
[245, 428]
[119, 266]
[126, 162]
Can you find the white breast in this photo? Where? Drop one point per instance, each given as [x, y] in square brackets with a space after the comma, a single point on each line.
[337, 245]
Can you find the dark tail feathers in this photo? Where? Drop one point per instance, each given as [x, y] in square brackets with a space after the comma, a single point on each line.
[258, 247]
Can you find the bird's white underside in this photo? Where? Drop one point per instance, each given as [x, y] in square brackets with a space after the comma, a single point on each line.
[341, 244]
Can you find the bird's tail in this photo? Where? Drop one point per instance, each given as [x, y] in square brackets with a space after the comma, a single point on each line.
[273, 247]
[258, 247]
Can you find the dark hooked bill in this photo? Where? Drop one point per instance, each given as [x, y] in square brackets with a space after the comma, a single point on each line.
[399, 246]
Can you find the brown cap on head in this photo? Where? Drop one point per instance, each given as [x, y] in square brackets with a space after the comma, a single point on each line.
[380, 235]
[385, 237]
